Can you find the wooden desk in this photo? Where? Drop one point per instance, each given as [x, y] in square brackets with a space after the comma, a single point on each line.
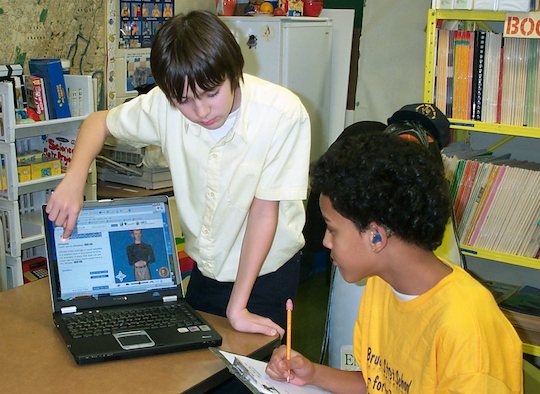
[106, 189]
[34, 357]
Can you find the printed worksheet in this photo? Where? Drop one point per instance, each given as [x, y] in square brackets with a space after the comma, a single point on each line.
[252, 373]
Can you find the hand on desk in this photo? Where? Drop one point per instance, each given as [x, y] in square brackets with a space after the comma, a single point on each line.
[245, 321]
[302, 371]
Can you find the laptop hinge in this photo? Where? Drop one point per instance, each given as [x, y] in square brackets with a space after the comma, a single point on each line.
[68, 309]
[172, 298]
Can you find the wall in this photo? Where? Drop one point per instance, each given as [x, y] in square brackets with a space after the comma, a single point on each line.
[73, 30]
[390, 74]
[392, 53]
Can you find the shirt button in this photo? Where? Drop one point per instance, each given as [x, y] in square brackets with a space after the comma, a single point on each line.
[214, 155]
[212, 194]
[205, 232]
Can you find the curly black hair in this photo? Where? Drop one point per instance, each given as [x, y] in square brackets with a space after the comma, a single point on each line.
[382, 178]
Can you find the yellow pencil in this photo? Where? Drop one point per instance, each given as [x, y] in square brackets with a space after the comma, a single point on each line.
[289, 307]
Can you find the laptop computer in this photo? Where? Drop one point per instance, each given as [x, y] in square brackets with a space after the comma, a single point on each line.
[110, 278]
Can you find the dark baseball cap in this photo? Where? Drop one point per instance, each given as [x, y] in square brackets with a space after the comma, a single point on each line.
[429, 116]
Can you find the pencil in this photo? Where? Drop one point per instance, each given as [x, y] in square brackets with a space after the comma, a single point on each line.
[289, 307]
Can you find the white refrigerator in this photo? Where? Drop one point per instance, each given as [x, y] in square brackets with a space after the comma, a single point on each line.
[295, 53]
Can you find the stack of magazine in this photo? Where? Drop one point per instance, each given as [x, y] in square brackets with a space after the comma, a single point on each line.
[521, 305]
[496, 200]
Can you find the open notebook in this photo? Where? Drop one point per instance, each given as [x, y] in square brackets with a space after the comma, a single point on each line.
[116, 285]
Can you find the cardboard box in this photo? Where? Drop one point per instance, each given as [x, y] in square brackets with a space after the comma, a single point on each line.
[45, 168]
[50, 70]
[24, 172]
[59, 146]
[295, 8]
[31, 156]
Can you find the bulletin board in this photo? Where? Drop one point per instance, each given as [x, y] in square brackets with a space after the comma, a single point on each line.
[140, 20]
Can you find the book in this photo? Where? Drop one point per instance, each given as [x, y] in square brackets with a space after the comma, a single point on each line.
[14, 74]
[443, 4]
[470, 75]
[474, 198]
[35, 96]
[500, 211]
[478, 75]
[463, 4]
[450, 74]
[252, 373]
[469, 176]
[501, 291]
[492, 63]
[462, 50]
[456, 181]
[50, 70]
[487, 206]
[532, 85]
[441, 78]
[526, 202]
[523, 308]
[478, 209]
[514, 81]
[499, 93]
[485, 5]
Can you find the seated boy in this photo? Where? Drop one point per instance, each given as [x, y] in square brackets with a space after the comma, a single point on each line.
[423, 325]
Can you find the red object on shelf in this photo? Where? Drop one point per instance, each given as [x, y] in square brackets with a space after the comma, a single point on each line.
[228, 7]
[313, 7]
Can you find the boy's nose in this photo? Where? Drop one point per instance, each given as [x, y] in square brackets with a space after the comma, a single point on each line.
[201, 109]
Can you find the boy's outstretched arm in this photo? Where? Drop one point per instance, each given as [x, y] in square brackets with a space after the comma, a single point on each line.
[66, 202]
[260, 231]
[303, 371]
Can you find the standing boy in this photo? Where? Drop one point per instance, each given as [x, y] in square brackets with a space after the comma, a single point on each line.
[238, 151]
[423, 325]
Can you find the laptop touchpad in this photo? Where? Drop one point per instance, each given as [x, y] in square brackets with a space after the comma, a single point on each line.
[134, 339]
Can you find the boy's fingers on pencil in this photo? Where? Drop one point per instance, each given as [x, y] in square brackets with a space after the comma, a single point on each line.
[277, 367]
[298, 370]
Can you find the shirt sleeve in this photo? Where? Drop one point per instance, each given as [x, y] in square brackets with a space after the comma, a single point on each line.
[140, 120]
[286, 168]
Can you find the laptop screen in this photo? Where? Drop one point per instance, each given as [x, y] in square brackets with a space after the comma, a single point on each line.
[115, 250]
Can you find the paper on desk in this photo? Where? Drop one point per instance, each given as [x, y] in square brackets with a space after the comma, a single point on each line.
[252, 373]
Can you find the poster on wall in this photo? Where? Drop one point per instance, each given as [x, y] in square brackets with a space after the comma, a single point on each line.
[140, 21]
[138, 72]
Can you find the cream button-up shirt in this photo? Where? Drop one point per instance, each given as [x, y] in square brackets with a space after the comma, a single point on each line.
[264, 155]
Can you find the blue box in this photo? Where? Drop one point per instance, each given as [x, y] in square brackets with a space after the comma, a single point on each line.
[50, 70]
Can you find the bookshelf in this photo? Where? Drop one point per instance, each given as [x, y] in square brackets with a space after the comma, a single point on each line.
[20, 202]
[479, 17]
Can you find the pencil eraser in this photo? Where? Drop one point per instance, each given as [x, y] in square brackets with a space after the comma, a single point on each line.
[289, 305]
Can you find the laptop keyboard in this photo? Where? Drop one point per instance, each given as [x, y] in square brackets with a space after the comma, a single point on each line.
[96, 323]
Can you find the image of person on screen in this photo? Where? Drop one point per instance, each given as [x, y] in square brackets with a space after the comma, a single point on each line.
[140, 255]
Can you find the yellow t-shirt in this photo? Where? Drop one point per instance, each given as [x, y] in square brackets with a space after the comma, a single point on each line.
[452, 339]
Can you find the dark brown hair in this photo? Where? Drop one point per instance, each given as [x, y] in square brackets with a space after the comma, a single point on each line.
[198, 48]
